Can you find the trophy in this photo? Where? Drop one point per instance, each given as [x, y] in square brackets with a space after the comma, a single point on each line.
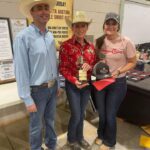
[82, 75]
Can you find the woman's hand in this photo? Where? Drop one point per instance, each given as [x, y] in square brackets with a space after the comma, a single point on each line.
[115, 74]
[86, 67]
[79, 85]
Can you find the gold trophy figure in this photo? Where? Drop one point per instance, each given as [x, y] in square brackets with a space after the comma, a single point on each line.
[82, 74]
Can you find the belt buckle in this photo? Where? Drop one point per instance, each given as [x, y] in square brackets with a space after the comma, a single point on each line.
[51, 83]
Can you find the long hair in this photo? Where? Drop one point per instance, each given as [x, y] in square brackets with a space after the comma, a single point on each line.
[98, 46]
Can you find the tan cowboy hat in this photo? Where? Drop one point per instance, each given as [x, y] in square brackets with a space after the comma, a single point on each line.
[79, 16]
[26, 5]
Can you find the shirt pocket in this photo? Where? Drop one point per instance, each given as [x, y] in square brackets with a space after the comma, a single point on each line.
[38, 47]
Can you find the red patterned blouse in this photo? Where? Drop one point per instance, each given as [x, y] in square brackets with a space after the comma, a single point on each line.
[70, 52]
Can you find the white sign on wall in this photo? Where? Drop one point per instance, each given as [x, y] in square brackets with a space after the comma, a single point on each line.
[136, 22]
[5, 41]
[6, 70]
[6, 57]
[16, 26]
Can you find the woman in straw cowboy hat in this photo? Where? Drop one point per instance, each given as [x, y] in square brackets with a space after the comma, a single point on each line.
[71, 53]
[36, 71]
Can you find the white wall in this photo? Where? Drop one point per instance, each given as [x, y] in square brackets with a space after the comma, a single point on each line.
[136, 25]
[9, 8]
[95, 9]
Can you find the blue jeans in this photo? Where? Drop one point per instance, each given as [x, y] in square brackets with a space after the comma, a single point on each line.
[78, 99]
[45, 100]
[108, 101]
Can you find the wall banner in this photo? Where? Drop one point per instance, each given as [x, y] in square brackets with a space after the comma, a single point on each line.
[57, 24]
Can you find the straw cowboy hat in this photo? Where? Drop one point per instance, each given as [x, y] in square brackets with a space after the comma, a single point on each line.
[26, 5]
[79, 16]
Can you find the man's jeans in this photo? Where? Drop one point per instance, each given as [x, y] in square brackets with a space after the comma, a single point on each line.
[45, 100]
[108, 101]
[78, 99]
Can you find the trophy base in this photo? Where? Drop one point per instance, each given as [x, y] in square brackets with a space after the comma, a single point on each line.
[83, 81]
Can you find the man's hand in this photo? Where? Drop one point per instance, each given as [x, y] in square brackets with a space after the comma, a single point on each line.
[59, 91]
[32, 108]
[80, 86]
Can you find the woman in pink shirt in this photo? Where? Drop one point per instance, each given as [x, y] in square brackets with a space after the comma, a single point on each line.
[120, 55]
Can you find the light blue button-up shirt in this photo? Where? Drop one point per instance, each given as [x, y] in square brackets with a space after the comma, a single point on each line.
[35, 60]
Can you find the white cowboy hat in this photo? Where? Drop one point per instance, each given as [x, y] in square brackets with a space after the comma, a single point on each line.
[26, 5]
[79, 16]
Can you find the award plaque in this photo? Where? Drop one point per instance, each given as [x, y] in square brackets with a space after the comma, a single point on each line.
[82, 75]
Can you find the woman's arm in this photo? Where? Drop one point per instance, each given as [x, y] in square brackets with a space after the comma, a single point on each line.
[131, 62]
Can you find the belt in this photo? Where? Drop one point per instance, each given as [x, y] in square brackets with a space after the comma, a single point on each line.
[45, 85]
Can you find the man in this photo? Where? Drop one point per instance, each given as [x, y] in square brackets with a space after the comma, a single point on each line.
[36, 71]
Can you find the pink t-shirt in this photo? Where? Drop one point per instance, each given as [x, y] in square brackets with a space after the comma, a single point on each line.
[117, 52]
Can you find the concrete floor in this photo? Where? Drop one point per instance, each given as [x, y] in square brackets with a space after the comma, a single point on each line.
[14, 136]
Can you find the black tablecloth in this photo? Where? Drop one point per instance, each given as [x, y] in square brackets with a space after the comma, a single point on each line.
[136, 106]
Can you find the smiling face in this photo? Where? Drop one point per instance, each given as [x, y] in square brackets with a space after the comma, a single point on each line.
[41, 13]
[111, 27]
[80, 29]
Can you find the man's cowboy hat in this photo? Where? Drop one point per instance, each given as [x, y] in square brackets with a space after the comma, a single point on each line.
[26, 5]
[79, 16]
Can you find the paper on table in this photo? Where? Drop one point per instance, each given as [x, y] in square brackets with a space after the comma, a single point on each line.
[101, 84]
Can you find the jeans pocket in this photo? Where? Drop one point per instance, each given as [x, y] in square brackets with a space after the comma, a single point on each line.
[121, 80]
[70, 85]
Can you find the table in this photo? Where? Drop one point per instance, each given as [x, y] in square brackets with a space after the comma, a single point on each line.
[136, 106]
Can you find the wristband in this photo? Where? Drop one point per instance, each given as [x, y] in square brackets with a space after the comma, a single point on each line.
[118, 72]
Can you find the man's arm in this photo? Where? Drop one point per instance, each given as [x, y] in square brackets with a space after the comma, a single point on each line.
[21, 61]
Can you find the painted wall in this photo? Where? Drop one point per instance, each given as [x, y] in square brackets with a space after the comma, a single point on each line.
[136, 25]
[9, 8]
[95, 9]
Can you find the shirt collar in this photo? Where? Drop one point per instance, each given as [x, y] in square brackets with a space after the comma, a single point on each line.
[37, 29]
[74, 40]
